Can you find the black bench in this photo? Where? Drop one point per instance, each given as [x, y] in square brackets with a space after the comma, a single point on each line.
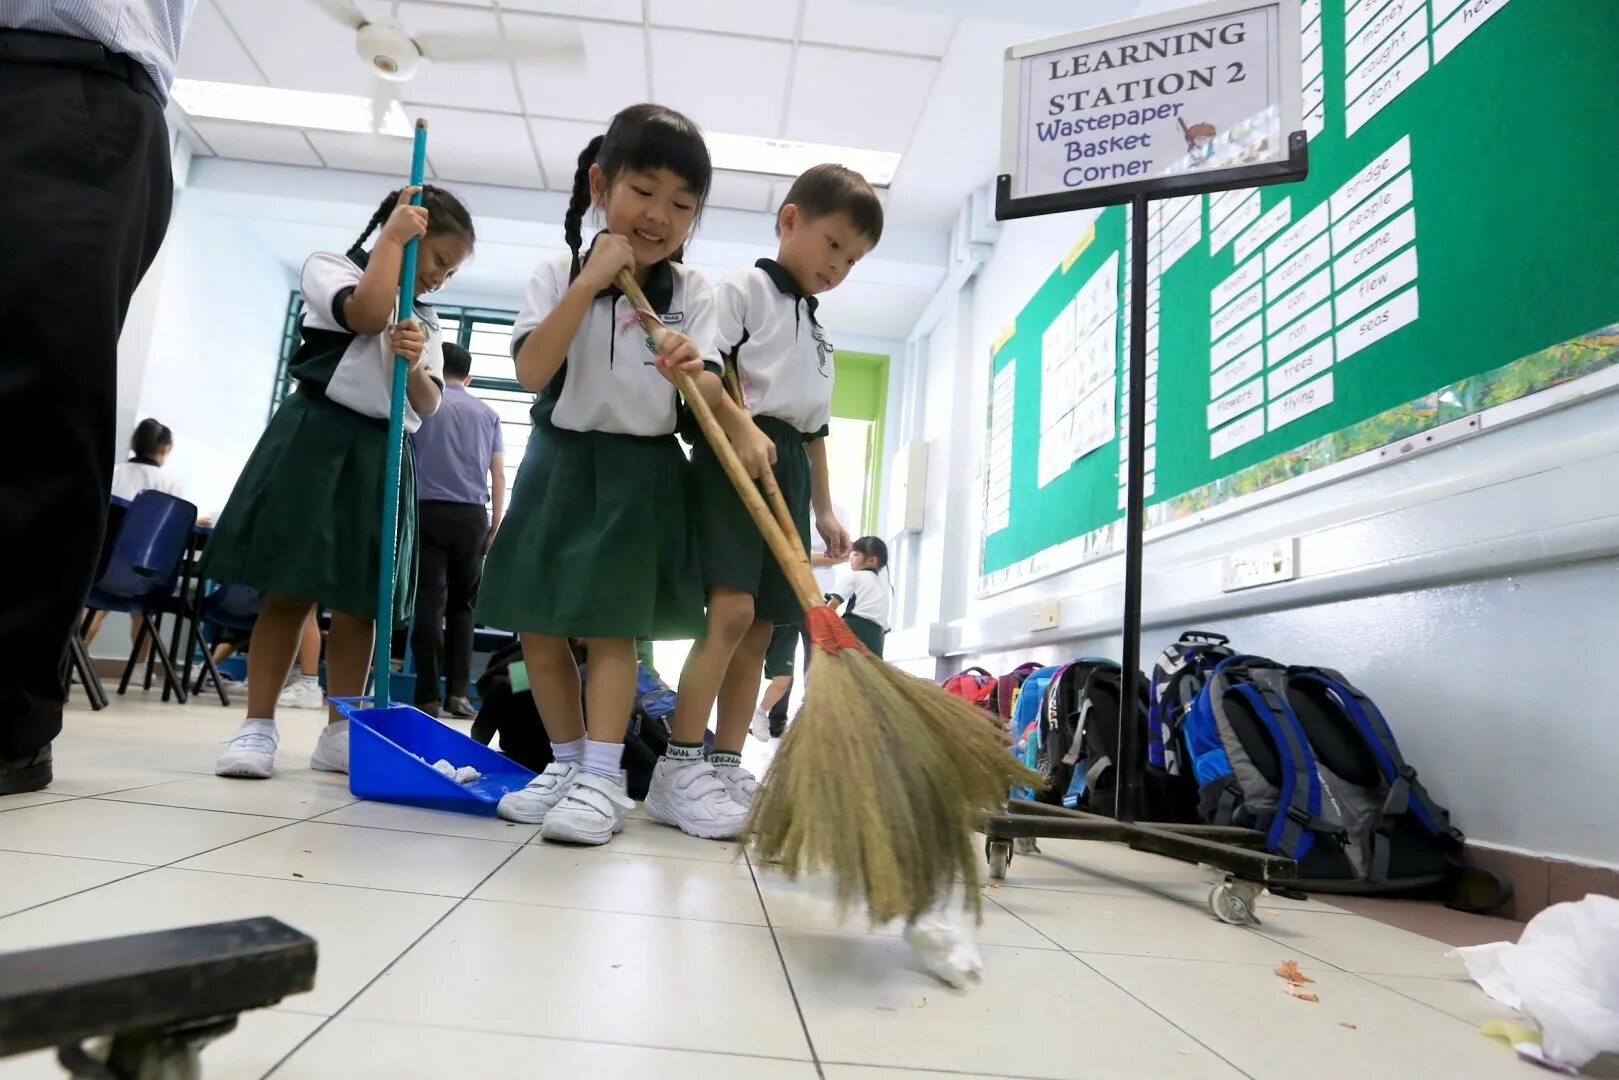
[160, 997]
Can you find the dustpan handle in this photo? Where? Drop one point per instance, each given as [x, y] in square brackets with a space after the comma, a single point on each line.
[396, 438]
[789, 553]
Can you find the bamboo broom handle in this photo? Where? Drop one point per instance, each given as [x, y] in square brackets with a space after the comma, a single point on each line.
[789, 553]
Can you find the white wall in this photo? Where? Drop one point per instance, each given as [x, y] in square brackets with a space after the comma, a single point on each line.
[1471, 589]
[211, 358]
[199, 352]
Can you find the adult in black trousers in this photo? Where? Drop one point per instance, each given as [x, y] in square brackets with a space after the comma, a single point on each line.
[460, 461]
[85, 162]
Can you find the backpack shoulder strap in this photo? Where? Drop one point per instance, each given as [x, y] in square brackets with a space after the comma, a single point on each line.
[1298, 804]
[1406, 793]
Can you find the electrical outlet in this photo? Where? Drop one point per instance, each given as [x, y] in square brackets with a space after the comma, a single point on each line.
[1047, 616]
[1262, 564]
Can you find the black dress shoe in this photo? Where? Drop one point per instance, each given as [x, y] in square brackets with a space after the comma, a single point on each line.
[27, 773]
[430, 708]
[460, 706]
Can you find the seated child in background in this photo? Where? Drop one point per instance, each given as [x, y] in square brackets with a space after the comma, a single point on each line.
[863, 593]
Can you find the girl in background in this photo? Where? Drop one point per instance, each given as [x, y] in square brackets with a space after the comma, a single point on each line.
[302, 525]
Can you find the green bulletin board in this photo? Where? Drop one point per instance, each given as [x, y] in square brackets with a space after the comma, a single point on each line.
[1455, 246]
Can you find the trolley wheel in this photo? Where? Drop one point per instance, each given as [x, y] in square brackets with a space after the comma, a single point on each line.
[1233, 902]
[999, 853]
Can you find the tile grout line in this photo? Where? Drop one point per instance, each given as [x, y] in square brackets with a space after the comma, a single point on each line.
[173, 864]
[451, 910]
[1103, 976]
[529, 1035]
[781, 956]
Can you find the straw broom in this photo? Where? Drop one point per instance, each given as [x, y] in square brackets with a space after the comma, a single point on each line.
[883, 777]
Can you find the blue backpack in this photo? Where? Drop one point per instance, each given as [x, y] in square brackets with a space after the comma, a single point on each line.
[1302, 755]
[1178, 678]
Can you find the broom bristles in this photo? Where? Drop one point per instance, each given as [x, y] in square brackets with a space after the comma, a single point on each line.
[882, 780]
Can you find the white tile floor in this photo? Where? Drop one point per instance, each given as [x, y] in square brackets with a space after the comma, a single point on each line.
[450, 944]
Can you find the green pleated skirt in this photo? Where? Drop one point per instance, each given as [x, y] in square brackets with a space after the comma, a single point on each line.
[305, 517]
[597, 541]
[734, 554]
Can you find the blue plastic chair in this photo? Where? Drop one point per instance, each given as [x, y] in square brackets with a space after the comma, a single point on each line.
[141, 571]
[234, 607]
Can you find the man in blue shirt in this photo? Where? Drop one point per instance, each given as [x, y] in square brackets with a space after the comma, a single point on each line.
[85, 157]
[460, 456]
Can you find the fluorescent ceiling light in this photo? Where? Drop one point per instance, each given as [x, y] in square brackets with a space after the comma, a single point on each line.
[780, 157]
[287, 108]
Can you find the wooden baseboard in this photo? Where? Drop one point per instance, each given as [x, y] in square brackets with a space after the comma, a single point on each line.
[1538, 882]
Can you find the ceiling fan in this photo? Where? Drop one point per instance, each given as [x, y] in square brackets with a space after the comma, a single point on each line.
[395, 55]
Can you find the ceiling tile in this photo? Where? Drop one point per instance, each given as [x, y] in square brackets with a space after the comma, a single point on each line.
[212, 51]
[857, 99]
[621, 10]
[725, 84]
[485, 84]
[383, 154]
[762, 18]
[298, 46]
[614, 74]
[256, 142]
[870, 25]
[560, 142]
[480, 148]
[739, 191]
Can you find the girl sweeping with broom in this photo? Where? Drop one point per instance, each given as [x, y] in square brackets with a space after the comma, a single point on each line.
[599, 509]
[299, 526]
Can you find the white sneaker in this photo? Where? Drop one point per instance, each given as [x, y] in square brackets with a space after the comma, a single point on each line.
[332, 749]
[250, 752]
[690, 796]
[740, 784]
[302, 693]
[590, 812]
[760, 727]
[530, 805]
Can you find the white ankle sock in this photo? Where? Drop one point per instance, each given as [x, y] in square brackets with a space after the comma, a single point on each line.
[573, 750]
[724, 759]
[603, 758]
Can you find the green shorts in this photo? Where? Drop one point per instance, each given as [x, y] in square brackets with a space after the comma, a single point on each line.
[783, 651]
[733, 553]
[870, 634]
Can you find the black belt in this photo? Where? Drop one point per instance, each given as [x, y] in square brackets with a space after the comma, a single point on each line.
[36, 47]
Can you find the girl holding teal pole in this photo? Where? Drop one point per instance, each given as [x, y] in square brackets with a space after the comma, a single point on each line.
[302, 524]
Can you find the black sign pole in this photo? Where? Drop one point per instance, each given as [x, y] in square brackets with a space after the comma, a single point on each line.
[1127, 790]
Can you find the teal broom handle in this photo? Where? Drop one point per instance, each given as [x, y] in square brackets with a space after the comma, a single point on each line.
[396, 438]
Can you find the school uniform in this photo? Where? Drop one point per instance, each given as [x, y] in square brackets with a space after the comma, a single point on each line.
[768, 329]
[866, 600]
[598, 541]
[305, 517]
[142, 474]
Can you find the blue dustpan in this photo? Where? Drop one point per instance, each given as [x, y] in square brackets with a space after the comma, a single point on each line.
[391, 755]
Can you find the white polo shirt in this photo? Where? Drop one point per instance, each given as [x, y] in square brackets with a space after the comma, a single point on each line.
[362, 379]
[827, 576]
[609, 381]
[782, 353]
[870, 592]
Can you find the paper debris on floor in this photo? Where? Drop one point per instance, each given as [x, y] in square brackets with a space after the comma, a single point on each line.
[1563, 974]
[1289, 970]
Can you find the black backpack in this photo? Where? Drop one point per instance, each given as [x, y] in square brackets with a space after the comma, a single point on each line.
[513, 716]
[1080, 746]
